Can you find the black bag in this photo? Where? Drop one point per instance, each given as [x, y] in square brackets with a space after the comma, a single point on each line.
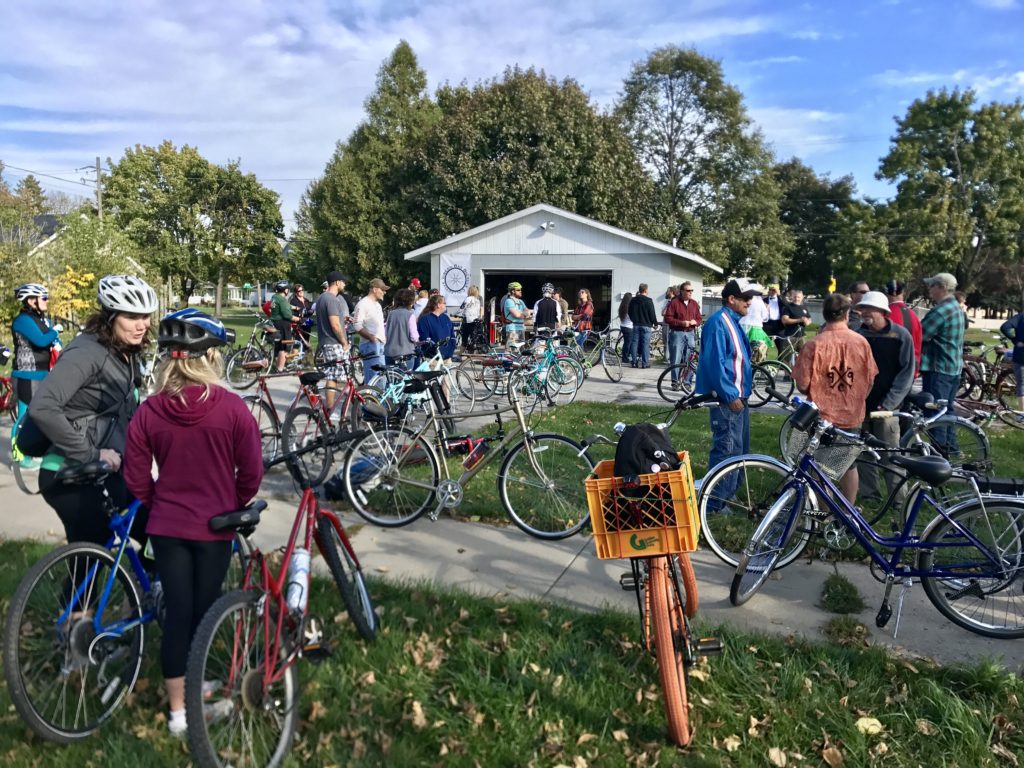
[30, 438]
[642, 447]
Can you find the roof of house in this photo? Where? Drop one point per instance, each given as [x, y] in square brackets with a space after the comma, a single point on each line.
[550, 209]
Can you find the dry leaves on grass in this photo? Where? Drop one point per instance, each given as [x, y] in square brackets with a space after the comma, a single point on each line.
[869, 726]
[419, 719]
[777, 757]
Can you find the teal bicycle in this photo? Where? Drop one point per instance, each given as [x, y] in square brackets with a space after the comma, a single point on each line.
[551, 380]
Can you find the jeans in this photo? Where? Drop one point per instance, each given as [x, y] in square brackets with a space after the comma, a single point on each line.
[888, 431]
[640, 346]
[730, 436]
[680, 346]
[627, 338]
[372, 353]
[943, 386]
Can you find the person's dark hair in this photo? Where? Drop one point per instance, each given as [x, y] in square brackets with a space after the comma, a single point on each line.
[624, 305]
[432, 303]
[405, 298]
[101, 323]
[855, 283]
[835, 307]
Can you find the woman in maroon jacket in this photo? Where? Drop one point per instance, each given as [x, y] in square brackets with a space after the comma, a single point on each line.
[207, 449]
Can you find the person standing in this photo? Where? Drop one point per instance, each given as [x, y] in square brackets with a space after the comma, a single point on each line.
[682, 318]
[795, 319]
[421, 301]
[281, 316]
[368, 322]
[435, 325]
[513, 309]
[207, 450]
[563, 305]
[401, 331]
[547, 313]
[900, 313]
[584, 316]
[773, 307]
[836, 370]
[893, 351]
[724, 369]
[472, 311]
[414, 286]
[331, 341]
[302, 310]
[626, 326]
[942, 348]
[856, 293]
[1013, 329]
[642, 313]
[35, 343]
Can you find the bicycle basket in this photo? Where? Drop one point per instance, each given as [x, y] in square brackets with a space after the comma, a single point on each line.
[834, 455]
[660, 519]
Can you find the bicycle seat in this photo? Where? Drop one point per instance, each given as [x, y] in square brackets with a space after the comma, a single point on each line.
[375, 411]
[242, 520]
[934, 470]
[310, 378]
[426, 376]
[91, 471]
[923, 401]
[413, 387]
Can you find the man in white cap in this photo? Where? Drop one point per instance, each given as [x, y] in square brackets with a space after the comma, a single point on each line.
[893, 350]
[942, 348]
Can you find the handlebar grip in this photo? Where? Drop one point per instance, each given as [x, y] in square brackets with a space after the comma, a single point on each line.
[873, 442]
[880, 414]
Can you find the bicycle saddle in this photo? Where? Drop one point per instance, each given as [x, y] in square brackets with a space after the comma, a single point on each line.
[83, 473]
[312, 377]
[375, 411]
[426, 376]
[934, 470]
[922, 401]
[242, 520]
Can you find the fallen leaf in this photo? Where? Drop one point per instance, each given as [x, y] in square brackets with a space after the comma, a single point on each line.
[777, 757]
[869, 726]
[699, 674]
[620, 735]
[382, 569]
[732, 743]
[926, 727]
[832, 756]
[584, 738]
[419, 720]
[317, 711]
[1000, 751]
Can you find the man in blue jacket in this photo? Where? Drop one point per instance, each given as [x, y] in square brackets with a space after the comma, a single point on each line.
[34, 337]
[724, 368]
[1013, 329]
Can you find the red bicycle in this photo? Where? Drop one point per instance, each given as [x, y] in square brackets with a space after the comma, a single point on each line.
[8, 401]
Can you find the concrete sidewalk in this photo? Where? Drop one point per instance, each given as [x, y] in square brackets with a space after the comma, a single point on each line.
[487, 560]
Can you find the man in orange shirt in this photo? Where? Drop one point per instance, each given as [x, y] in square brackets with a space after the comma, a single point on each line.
[836, 370]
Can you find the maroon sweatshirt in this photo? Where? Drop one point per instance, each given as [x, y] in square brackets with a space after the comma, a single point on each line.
[208, 457]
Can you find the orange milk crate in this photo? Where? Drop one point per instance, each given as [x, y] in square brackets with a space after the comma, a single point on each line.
[658, 517]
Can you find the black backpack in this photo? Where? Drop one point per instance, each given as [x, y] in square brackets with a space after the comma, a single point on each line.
[642, 447]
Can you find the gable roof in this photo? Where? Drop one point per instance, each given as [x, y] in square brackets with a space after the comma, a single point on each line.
[545, 208]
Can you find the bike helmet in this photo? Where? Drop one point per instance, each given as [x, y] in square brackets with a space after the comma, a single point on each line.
[547, 289]
[515, 286]
[194, 331]
[125, 293]
[280, 285]
[31, 291]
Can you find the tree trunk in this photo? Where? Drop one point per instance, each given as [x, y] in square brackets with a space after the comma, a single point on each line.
[220, 291]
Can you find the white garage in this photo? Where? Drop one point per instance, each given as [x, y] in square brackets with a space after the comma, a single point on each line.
[543, 243]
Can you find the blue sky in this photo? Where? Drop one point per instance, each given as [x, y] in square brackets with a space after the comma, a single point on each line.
[276, 84]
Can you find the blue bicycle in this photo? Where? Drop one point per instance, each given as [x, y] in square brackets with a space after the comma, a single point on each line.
[969, 558]
[74, 635]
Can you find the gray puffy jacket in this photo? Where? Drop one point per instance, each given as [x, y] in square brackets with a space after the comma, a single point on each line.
[88, 380]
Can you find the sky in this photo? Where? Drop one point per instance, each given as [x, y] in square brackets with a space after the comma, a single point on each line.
[276, 84]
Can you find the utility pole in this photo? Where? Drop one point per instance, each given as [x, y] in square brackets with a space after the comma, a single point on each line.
[99, 189]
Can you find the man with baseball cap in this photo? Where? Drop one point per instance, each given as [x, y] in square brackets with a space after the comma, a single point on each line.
[368, 322]
[942, 349]
[414, 285]
[724, 368]
[893, 351]
[514, 310]
[900, 313]
[331, 343]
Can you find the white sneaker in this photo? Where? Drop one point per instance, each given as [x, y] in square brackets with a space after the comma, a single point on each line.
[177, 724]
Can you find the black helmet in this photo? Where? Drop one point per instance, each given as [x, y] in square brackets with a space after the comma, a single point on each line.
[280, 285]
[193, 330]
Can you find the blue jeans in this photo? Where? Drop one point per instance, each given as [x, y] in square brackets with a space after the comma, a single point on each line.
[372, 353]
[730, 436]
[640, 345]
[627, 338]
[942, 386]
[680, 346]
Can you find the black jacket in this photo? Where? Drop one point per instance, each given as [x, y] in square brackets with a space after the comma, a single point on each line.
[641, 311]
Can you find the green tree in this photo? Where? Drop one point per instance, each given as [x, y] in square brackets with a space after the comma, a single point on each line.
[31, 195]
[959, 172]
[711, 168]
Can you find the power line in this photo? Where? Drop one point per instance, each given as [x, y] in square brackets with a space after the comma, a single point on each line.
[47, 175]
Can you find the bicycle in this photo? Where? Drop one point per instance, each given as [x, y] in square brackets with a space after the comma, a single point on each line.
[8, 399]
[969, 558]
[75, 630]
[597, 347]
[983, 374]
[460, 388]
[551, 380]
[244, 364]
[251, 640]
[394, 474]
[651, 520]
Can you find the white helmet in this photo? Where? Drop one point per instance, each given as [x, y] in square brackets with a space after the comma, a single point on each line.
[30, 291]
[125, 293]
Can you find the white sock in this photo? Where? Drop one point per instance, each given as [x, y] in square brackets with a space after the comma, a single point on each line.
[177, 721]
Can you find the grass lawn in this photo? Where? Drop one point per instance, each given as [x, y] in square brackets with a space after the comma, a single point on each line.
[459, 680]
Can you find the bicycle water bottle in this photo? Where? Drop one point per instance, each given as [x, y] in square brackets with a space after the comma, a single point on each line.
[298, 580]
[477, 454]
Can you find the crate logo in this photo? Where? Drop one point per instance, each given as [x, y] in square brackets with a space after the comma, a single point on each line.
[641, 544]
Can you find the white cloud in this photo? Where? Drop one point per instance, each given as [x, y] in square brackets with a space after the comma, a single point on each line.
[775, 60]
[803, 132]
[998, 5]
[985, 84]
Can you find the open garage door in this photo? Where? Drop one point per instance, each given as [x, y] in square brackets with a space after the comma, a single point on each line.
[598, 283]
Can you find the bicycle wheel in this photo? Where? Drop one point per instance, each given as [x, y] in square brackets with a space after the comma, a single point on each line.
[1006, 390]
[665, 382]
[251, 719]
[348, 576]
[1013, 419]
[461, 391]
[981, 590]
[391, 476]
[671, 647]
[304, 427]
[612, 364]
[564, 379]
[475, 370]
[971, 378]
[528, 388]
[771, 374]
[266, 420]
[688, 583]
[736, 496]
[64, 678]
[766, 547]
[548, 501]
[969, 445]
[243, 367]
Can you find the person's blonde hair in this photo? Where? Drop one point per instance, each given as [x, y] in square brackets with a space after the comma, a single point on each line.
[174, 374]
[473, 291]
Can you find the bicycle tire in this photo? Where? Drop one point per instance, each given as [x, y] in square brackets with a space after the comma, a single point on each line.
[665, 382]
[303, 426]
[988, 606]
[229, 646]
[670, 648]
[970, 381]
[35, 646]
[565, 377]
[552, 507]
[770, 374]
[730, 516]
[374, 482]
[462, 392]
[268, 425]
[527, 388]
[348, 576]
[688, 581]
[612, 364]
[763, 551]
[1006, 390]
[972, 444]
[475, 369]
[237, 375]
[1011, 418]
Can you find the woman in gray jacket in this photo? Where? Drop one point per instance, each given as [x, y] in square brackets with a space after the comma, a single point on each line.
[84, 405]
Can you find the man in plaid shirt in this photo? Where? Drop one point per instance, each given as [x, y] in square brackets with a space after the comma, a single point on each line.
[942, 349]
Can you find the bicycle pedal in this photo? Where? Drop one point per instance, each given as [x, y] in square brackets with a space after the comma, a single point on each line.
[317, 652]
[628, 582]
[709, 646]
[883, 616]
